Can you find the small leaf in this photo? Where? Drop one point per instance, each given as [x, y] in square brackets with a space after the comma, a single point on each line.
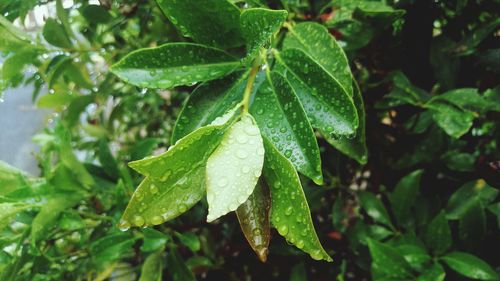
[152, 268]
[234, 168]
[434, 273]
[154, 240]
[209, 101]
[174, 64]
[189, 240]
[211, 22]
[258, 25]
[452, 119]
[110, 248]
[177, 268]
[470, 266]
[353, 147]
[282, 120]
[55, 34]
[387, 263]
[290, 213]
[374, 208]
[328, 107]
[253, 216]
[315, 40]
[175, 180]
[404, 195]
[438, 234]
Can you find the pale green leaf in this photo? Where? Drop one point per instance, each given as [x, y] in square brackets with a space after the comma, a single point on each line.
[234, 168]
[174, 64]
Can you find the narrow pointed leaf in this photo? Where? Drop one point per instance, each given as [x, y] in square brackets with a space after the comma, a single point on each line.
[174, 64]
[209, 101]
[355, 147]
[290, 213]
[470, 266]
[282, 120]
[258, 25]
[315, 40]
[328, 107]
[234, 168]
[253, 216]
[211, 22]
[175, 180]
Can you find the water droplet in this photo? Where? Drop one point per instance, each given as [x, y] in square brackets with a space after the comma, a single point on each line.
[182, 208]
[242, 199]
[316, 255]
[289, 210]
[242, 154]
[252, 130]
[124, 225]
[153, 189]
[300, 244]
[245, 169]
[156, 220]
[222, 182]
[257, 231]
[257, 173]
[138, 221]
[283, 230]
[242, 139]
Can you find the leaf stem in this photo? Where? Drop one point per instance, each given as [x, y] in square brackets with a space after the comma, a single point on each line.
[249, 86]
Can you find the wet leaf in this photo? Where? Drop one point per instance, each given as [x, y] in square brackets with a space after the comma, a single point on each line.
[152, 268]
[374, 208]
[253, 216]
[282, 120]
[353, 147]
[174, 64]
[452, 119]
[438, 234]
[258, 25]
[315, 40]
[433, 273]
[328, 107]
[404, 195]
[290, 213]
[175, 180]
[470, 266]
[211, 22]
[234, 168]
[189, 240]
[465, 197]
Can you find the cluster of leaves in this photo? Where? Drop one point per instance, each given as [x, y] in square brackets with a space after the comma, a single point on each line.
[257, 105]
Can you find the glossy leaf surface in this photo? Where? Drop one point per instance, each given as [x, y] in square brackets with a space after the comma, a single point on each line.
[152, 268]
[315, 40]
[290, 213]
[174, 64]
[353, 147]
[258, 25]
[387, 263]
[374, 208]
[404, 195]
[327, 105]
[470, 266]
[452, 119]
[438, 234]
[433, 273]
[253, 216]
[175, 180]
[211, 22]
[282, 120]
[234, 168]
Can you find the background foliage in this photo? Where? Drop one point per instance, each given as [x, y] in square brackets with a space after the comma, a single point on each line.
[423, 207]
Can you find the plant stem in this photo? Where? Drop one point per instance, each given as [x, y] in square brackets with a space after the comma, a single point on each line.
[248, 88]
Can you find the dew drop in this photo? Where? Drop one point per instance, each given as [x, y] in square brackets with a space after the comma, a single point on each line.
[257, 231]
[138, 221]
[222, 182]
[182, 208]
[123, 225]
[156, 220]
[242, 154]
[283, 230]
[289, 210]
[153, 189]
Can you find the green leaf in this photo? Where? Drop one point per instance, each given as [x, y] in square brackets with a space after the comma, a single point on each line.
[10, 178]
[107, 160]
[175, 180]
[452, 119]
[9, 210]
[415, 255]
[290, 213]
[315, 40]
[457, 161]
[11, 37]
[253, 216]
[434, 273]
[282, 120]
[466, 99]
[95, 14]
[174, 64]
[354, 147]
[49, 213]
[258, 25]
[55, 34]
[211, 22]
[472, 225]
[464, 198]
[374, 208]
[404, 195]
[13, 66]
[144, 148]
[470, 266]
[177, 268]
[438, 234]
[152, 268]
[62, 14]
[234, 168]
[209, 101]
[328, 107]
[189, 240]
[387, 263]
[154, 240]
[110, 248]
